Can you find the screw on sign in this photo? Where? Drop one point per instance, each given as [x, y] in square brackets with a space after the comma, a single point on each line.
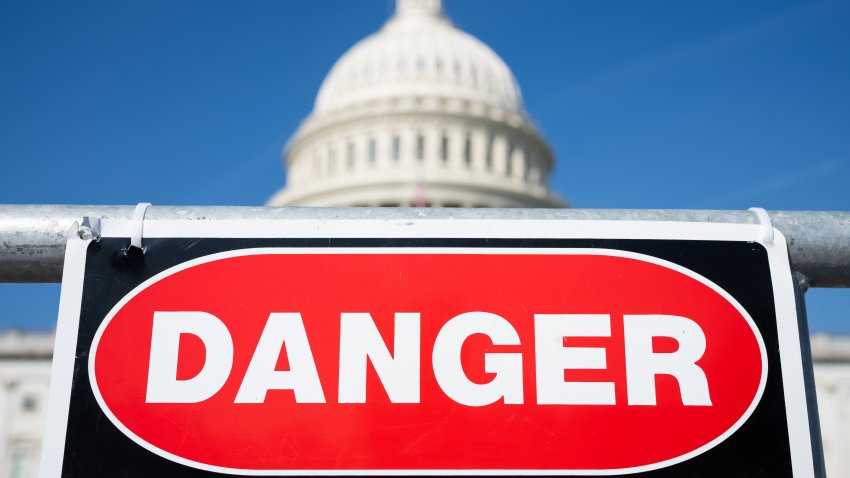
[427, 360]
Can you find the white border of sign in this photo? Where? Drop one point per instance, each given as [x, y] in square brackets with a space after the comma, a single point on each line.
[787, 328]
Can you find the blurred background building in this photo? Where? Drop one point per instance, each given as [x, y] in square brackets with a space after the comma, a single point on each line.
[25, 360]
[418, 114]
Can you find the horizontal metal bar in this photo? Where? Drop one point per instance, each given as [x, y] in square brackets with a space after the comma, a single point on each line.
[32, 237]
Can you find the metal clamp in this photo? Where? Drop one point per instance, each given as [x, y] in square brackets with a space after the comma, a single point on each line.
[89, 229]
[763, 218]
[137, 226]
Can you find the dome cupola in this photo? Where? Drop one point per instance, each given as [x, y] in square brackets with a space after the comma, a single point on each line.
[419, 52]
[418, 113]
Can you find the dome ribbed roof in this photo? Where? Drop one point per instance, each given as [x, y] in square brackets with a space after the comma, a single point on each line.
[419, 52]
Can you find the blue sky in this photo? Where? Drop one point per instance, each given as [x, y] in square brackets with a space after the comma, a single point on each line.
[648, 104]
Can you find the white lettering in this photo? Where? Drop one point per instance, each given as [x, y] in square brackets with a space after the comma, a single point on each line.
[359, 341]
[302, 377]
[448, 369]
[553, 358]
[163, 386]
[642, 364]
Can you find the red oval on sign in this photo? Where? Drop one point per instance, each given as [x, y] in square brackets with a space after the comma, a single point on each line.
[537, 361]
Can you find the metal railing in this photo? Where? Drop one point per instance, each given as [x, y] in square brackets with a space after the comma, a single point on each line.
[32, 237]
[32, 243]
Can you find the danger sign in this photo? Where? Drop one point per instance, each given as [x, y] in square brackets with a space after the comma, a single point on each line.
[528, 351]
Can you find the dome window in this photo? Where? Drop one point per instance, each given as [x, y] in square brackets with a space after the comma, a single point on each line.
[396, 148]
[373, 151]
[29, 403]
[467, 151]
[444, 148]
[351, 155]
[488, 158]
[509, 160]
[420, 147]
[22, 459]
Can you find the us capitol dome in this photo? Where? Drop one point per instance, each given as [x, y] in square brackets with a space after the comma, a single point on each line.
[419, 113]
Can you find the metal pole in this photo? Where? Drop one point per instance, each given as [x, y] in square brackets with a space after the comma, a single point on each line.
[32, 237]
[809, 381]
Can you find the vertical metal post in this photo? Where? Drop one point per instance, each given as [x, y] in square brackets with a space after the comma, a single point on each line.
[809, 376]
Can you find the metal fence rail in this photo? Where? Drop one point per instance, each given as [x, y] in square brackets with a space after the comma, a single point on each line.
[32, 237]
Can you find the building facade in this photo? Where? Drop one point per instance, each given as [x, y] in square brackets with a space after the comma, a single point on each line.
[831, 356]
[25, 360]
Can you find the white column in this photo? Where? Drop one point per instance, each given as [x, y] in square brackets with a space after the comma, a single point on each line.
[479, 149]
[500, 154]
[384, 137]
[304, 165]
[348, 155]
[4, 429]
[293, 173]
[433, 140]
[408, 146]
[457, 143]
[7, 414]
[332, 158]
[317, 162]
[534, 173]
[518, 162]
[841, 463]
[361, 150]
[295, 169]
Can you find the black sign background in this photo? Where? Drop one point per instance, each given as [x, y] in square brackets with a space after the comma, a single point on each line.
[94, 447]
